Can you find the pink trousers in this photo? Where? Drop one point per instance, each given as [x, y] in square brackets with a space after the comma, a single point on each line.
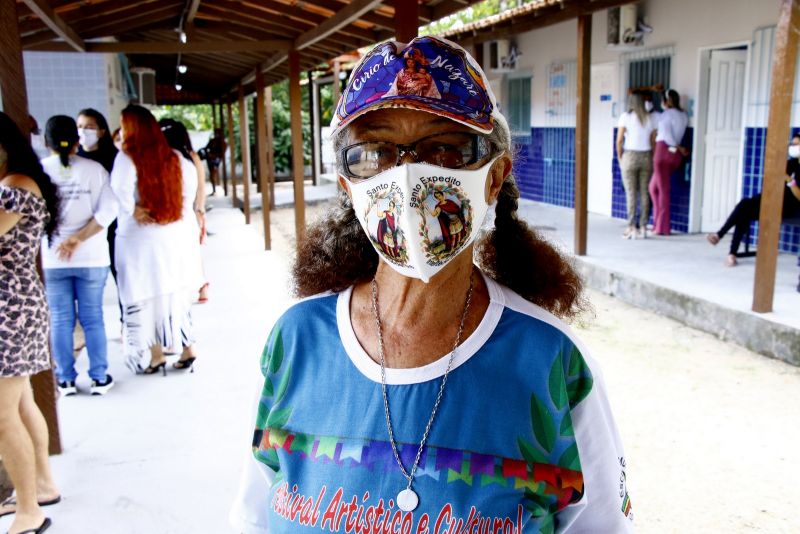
[664, 164]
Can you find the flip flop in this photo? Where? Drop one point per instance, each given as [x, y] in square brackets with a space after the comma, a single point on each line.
[12, 501]
[44, 526]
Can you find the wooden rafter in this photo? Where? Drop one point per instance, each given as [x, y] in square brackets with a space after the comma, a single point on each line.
[56, 23]
[342, 18]
[192, 47]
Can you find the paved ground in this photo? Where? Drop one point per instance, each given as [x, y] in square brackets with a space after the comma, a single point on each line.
[710, 428]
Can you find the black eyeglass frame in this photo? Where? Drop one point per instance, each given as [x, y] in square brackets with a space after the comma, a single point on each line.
[410, 148]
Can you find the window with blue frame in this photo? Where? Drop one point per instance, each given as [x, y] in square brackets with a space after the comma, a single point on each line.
[518, 110]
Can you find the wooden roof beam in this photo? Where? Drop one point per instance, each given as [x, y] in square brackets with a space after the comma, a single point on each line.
[192, 13]
[342, 18]
[192, 47]
[56, 23]
[114, 25]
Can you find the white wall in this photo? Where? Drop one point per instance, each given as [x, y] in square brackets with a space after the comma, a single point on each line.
[681, 28]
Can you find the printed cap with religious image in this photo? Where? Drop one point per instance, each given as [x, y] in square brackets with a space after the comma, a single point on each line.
[428, 74]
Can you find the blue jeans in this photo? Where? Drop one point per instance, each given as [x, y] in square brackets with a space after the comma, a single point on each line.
[65, 288]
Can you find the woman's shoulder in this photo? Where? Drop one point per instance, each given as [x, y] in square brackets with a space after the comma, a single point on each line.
[20, 194]
[535, 318]
[20, 184]
[309, 308]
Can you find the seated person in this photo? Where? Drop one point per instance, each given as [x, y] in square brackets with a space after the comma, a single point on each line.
[748, 209]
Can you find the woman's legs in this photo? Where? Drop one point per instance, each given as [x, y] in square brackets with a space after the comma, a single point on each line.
[60, 287]
[89, 286]
[629, 182]
[645, 171]
[664, 164]
[36, 425]
[19, 455]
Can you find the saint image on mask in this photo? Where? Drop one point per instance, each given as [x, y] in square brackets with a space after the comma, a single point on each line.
[450, 225]
[387, 238]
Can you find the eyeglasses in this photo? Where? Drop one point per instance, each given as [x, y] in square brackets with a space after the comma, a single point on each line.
[450, 150]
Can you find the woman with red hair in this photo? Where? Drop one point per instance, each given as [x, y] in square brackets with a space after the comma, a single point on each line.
[150, 181]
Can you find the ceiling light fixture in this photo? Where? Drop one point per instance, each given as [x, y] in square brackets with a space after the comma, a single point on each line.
[182, 68]
[178, 87]
[183, 37]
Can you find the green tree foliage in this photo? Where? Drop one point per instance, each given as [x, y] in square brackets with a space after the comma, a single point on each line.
[196, 117]
[479, 11]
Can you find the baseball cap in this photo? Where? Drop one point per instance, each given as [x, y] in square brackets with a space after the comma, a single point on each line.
[428, 74]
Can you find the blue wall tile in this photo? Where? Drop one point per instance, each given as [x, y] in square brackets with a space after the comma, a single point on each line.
[545, 165]
[752, 173]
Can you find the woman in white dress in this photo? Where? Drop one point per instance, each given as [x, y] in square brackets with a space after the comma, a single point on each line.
[153, 184]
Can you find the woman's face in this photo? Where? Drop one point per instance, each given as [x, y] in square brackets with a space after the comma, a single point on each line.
[409, 63]
[88, 123]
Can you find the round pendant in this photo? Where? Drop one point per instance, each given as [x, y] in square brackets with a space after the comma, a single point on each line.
[407, 500]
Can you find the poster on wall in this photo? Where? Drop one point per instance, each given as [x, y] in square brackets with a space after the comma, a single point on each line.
[560, 95]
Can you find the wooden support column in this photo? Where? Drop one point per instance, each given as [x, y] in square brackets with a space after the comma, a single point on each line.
[223, 163]
[406, 20]
[316, 130]
[232, 146]
[582, 133]
[337, 84]
[15, 105]
[314, 126]
[12, 74]
[477, 53]
[214, 124]
[270, 147]
[261, 146]
[773, 186]
[244, 139]
[298, 172]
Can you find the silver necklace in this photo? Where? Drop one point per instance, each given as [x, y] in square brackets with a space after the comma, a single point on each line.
[407, 499]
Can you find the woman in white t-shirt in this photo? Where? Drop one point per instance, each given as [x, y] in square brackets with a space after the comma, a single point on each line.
[635, 141]
[76, 263]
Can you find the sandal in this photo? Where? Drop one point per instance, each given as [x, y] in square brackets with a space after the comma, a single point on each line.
[41, 528]
[188, 363]
[150, 370]
[12, 501]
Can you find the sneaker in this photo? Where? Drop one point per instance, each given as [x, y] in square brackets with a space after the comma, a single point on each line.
[101, 388]
[67, 388]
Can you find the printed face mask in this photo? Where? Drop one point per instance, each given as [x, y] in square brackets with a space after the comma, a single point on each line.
[88, 138]
[794, 151]
[420, 216]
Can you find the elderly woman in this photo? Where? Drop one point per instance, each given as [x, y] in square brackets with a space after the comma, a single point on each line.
[442, 393]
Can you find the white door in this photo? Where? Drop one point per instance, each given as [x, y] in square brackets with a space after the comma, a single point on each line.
[601, 136]
[723, 136]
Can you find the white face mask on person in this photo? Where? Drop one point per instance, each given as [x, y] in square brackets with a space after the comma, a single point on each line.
[420, 216]
[88, 138]
[648, 106]
[794, 151]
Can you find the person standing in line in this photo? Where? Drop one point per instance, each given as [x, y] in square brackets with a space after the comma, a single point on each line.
[76, 263]
[97, 144]
[668, 156]
[152, 183]
[29, 209]
[635, 140]
[214, 152]
[193, 220]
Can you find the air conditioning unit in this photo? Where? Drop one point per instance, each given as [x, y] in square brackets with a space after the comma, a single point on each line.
[624, 27]
[144, 81]
[503, 55]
